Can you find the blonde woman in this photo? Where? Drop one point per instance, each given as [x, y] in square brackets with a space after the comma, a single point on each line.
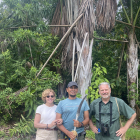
[45, 117]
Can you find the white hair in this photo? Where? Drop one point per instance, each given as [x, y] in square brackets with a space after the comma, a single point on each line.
[104, 83]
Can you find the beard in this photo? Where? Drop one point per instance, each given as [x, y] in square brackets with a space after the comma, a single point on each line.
[72, 95]
[105, 97]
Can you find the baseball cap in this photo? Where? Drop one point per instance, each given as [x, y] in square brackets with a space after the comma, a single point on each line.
[72, 84]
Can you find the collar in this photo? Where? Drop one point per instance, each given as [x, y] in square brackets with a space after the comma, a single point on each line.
[110, 100]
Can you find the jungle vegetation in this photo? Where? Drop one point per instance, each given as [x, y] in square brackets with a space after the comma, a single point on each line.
[27, 39]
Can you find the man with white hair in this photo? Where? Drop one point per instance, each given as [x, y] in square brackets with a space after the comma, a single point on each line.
[106, 113]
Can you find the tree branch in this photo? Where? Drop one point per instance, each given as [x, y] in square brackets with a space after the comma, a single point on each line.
[68, 31]
[110, 39]
[35, 26]
[127, 23]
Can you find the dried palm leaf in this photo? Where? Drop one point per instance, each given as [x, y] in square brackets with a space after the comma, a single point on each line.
[87, 22]
[105, 14]
[71, 9]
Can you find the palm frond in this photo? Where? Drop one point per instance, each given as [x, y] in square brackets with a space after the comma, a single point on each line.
[87, 22]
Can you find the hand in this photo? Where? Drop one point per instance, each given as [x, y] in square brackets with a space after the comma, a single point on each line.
[95, 129]
[59, 121]
[77, 123]
[71, 135]
[53, 124]
[121, 132]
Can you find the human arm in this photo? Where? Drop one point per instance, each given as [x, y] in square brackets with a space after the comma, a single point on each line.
[93, 127]
[85, 121]
[63, 129]
[37, 123]
[123, 130]
[59, 121]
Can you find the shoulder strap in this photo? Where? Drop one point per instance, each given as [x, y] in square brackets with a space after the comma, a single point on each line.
[100, 113]
[110, 113]
[117, 105]
[119, 112]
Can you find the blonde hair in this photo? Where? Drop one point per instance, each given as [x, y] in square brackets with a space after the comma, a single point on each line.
[46, 93]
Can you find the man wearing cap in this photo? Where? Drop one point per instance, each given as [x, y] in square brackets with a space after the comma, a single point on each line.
[67, 109]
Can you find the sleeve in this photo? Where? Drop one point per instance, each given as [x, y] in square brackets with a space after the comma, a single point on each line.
[91, 111]
[86, 106]
[38, 110]
[126, 110]
[59, 108]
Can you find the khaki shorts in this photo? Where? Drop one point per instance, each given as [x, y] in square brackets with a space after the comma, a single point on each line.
[43, 134]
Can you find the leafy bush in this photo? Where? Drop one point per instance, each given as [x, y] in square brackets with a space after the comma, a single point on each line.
[2, 134]
[23, 127]
[15, 103]
[133, 134]
[90, 134]
[98, 77]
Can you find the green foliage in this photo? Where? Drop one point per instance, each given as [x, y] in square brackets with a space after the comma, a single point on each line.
[29, 98]
[78, 95]
[132, 134]
[26, 12]
[17, 76]
[98, 77]
[5, 107]
[90, 134]
[23, 127]
[57, 100]
[108, 54]
[2, 134]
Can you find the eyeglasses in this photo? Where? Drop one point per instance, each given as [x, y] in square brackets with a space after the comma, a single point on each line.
[50, 96]
[73, 87]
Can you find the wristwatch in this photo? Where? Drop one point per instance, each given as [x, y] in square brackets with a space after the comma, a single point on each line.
[82, 125]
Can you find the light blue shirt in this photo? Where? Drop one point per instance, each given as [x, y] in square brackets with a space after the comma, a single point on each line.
[68, 109]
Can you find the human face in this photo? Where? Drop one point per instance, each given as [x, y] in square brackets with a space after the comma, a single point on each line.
[50, 98]
[105, 91]
[72, 91]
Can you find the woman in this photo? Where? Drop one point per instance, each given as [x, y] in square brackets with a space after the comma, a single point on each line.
[45, 117]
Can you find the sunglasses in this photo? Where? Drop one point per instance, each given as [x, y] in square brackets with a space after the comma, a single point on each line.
[73, 87]
[50, 96]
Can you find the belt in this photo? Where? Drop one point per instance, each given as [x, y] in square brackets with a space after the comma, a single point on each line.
[55, 129]
[80, 134]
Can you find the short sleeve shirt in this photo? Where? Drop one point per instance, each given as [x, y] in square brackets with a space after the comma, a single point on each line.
[47, 113]
[68, 109]
[125, 110]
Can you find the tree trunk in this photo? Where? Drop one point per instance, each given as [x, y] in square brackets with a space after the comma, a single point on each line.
[71, 9]
[85, 67]
[132, 67]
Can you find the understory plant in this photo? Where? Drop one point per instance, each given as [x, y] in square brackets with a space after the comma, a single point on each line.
[99, 73]
[90, 134]
[133, 134]
[23, 127]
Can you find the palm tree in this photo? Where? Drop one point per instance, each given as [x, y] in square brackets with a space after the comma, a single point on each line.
[132, 61]
[102, 11]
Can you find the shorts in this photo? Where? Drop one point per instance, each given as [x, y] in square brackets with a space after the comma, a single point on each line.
[43, 134]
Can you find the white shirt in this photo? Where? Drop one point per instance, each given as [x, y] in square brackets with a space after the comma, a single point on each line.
[48, 114]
